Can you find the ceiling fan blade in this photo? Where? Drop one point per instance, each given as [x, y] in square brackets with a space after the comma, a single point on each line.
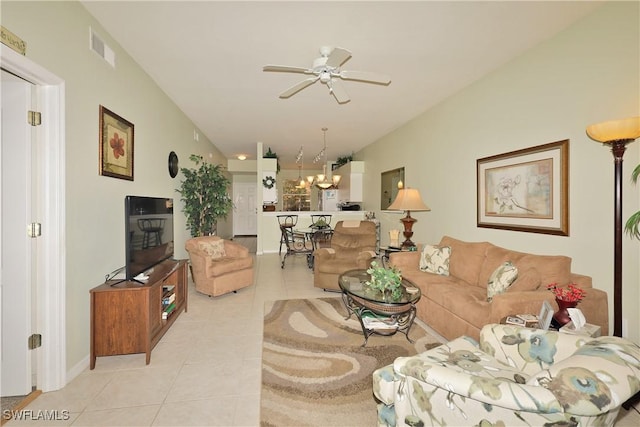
[286, 69]
[365, 76]
[338, 91]
[298, 87]
[337, 57]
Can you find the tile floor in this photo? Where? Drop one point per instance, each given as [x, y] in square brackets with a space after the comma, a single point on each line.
[204, 372]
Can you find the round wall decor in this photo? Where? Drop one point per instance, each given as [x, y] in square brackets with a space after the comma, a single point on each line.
[173, 164]
[269, 182]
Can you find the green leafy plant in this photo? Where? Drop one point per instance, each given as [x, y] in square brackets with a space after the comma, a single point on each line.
[205, 195]
[632, 227]
[385, 279]
[343, 160]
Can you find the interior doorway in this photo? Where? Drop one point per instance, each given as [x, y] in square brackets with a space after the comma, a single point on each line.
[47, 258]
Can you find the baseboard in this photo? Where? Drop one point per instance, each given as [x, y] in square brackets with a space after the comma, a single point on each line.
[77, 369]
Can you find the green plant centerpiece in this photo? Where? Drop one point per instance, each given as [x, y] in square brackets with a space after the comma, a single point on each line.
[385, 280]
[205, 195]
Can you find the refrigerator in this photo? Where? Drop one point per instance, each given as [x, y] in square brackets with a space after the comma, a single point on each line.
[330, 200]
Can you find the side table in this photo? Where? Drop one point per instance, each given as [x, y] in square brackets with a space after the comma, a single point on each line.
[386, 251]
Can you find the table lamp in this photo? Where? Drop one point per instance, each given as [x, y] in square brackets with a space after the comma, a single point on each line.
[408, 199]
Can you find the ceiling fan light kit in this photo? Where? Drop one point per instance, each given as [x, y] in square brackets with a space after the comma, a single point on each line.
[327, 70]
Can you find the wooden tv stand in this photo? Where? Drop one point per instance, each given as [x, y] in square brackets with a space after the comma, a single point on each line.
[127, 317]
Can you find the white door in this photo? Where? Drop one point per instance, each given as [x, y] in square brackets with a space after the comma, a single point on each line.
[245, 214]
[18, 250]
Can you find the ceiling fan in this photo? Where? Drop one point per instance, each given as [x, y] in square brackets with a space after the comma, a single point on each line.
[327, 70]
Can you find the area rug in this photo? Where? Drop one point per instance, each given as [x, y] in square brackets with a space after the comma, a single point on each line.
[315, 371]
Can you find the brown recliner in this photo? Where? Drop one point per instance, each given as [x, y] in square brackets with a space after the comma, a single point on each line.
[353, 246]
[217, 271]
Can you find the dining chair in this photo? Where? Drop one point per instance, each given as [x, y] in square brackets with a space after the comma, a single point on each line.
[288, 221]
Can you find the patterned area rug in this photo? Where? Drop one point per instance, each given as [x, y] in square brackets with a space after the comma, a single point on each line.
[315, 371]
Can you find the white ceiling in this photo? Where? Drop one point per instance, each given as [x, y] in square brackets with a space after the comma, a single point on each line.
[208, 57]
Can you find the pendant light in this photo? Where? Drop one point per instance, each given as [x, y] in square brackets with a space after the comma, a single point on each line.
[322, 181]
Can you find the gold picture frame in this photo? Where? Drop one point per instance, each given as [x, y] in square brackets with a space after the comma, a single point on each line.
[525, 190]
[115, 145]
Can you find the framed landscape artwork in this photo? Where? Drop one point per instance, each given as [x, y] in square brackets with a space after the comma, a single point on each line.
[525, 190]
[116, 145]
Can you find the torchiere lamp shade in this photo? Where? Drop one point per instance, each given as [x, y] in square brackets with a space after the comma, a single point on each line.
[408, 199]
[615, 130]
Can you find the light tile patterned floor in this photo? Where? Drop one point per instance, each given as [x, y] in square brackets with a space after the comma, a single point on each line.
[204, 372]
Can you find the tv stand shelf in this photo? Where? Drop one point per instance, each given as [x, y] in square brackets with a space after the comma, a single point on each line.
[127, 317]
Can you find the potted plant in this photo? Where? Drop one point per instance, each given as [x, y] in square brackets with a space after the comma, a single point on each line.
[343, 160]
[385, 280]
[632, 227]
[205, 196]
[272, 155]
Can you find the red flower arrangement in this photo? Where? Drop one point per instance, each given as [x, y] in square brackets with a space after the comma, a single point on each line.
[571, 293]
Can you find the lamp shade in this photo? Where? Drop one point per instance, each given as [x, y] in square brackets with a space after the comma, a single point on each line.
[408, 199]
[615, 130]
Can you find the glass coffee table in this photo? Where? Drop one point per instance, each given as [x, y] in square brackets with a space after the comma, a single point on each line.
[378, 312]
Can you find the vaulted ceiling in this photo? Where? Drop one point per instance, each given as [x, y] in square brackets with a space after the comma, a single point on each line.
[208, 56]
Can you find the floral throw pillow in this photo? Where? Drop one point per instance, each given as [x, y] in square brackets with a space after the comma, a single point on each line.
[214, 248]
[501, 279]
[435, 259]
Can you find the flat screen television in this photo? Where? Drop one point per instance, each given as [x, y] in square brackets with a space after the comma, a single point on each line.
[148, 233]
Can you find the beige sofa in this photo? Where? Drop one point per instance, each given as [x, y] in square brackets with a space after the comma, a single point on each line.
[457, 305]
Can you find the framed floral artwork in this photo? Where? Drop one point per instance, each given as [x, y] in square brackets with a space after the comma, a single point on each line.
[116, 145]
[525, 190]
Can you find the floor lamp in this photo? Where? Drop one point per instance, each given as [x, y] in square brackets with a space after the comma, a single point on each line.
[617, 134]
[408, 199]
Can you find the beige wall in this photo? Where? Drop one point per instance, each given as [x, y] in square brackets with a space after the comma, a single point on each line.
[57, 37]
[587, 74]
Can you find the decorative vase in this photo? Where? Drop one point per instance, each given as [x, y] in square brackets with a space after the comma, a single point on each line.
[561, 317]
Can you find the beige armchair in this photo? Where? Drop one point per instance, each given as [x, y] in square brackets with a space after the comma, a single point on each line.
[219, 266]
[353, 245]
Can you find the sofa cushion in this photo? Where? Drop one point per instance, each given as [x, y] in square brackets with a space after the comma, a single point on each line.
[213, 248]
[501, 279]
[527, 280]
[551, 268]
[469, 303]
[466, 259]
[435, 259]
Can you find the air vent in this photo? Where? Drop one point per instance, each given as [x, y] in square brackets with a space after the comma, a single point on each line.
[97, 45]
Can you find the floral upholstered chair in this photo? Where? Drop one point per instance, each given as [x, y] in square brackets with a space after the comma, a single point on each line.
[513, 376]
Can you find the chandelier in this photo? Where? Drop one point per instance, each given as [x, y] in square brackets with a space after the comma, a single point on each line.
[321, 180]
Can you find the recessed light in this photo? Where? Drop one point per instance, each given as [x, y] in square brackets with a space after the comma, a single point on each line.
[242, 157]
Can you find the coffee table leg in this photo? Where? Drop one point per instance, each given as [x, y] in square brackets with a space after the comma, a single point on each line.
[403, 321]
[406, 324]
[348, 304]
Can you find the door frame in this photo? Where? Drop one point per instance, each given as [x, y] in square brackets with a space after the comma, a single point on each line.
[51, 301]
